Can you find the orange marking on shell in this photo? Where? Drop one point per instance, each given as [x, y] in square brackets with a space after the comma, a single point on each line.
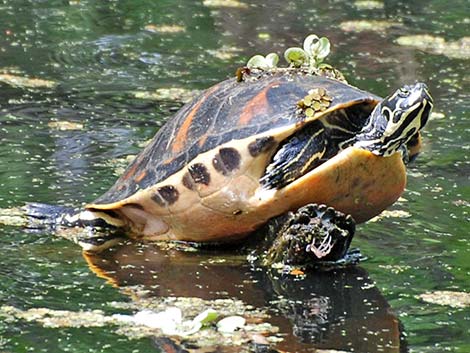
[139, 177]
[168, 160]
[202, 140]
[181, 136]
[257, 105]
[130, 172]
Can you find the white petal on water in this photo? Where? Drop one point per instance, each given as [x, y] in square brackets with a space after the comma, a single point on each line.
[230, 324]
[166, 320]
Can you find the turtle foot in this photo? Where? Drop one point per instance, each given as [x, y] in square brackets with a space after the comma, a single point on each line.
[313, 234]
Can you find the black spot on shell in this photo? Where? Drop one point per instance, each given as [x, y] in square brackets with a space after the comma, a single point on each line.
[200, 174]
[166, 195]
[227, 160]
[261, 145]
[188, 181]
[197, 174]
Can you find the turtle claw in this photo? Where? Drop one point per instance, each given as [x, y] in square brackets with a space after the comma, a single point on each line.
[314, 234]
[324, 249]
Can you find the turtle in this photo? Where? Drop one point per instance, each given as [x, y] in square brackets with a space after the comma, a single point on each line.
[246, 151]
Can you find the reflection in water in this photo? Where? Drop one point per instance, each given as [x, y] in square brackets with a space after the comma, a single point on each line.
[336, 309]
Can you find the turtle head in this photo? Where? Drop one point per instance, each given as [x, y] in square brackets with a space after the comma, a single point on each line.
[396, 120]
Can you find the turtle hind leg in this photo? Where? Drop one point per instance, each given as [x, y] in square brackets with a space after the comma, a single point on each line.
[313, 235]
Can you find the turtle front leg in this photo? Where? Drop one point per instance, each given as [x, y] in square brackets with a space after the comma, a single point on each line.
[313, 235]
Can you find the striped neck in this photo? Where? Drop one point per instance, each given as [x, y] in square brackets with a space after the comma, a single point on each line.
[396, 120]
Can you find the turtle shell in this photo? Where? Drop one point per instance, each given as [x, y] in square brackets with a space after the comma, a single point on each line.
[198, 179]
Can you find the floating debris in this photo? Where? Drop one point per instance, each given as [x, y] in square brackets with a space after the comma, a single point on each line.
[391, 214]
[460, 203]
[449, 298]
[140, 144]
[231, 324]
[58, 318]
[231, 330]
[365, 25]
[119, 165]
[225, 52]
[264, 35]
[297, 272]
[396, 269]
[65, 125]
[26, 82]
[192, 306]
[369, 5]
[207, 316]
[459, 49]
[169, 321]
[173, 94]
[225, 3]
[437, 116]
[164, 28]
[13, 217]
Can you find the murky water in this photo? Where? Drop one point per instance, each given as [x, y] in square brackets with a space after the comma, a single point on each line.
[100, 54]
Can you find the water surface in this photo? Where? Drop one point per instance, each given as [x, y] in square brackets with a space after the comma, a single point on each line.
[100, 54]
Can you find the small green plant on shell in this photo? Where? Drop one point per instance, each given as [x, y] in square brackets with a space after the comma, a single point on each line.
[311, 56]
[263, 62]
[314, 51]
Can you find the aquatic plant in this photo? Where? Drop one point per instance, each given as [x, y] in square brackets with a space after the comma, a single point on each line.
[314, 50]
[310, 57]
[263, 62]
